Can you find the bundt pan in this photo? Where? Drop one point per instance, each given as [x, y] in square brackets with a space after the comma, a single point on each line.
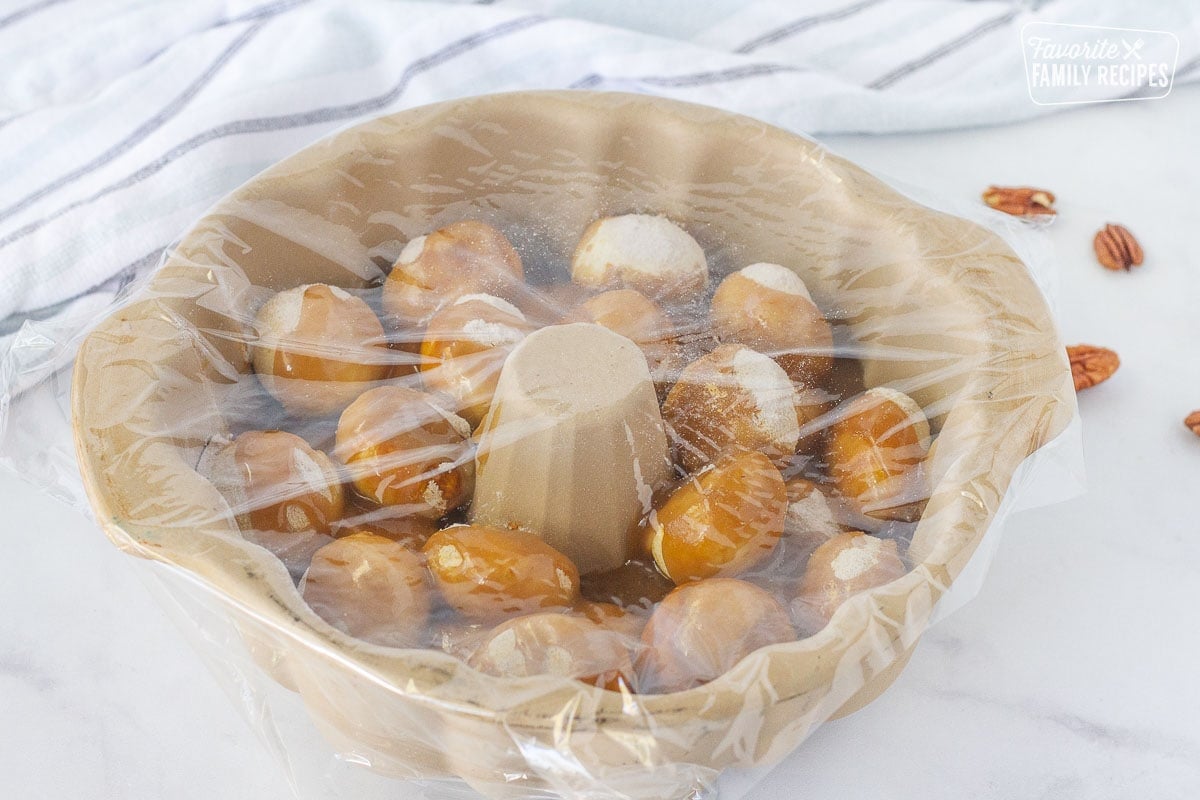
[937, 307]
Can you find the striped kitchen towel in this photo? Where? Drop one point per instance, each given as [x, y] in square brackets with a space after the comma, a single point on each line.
[121, 121]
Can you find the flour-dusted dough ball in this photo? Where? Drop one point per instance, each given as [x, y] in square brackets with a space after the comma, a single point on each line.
[702, 630]
[401, 447]
[640, 251]
[488, 573]
[285, 496]
[876, 452]
[722, 521]
[465, 345]
[768, 307]
[842, 567]
[559, 644]
[318, 348]
[274, 481]
[732, 398]
[467, 257]
[371, 588]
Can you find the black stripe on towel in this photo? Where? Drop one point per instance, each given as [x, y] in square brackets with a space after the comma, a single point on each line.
[115, 283]
[718, 76]
[22, 13]
[904, 70]
[1187, 68]
[690, 80]
[271, 10]
[803, 24]
[287, 121]
[146, 128]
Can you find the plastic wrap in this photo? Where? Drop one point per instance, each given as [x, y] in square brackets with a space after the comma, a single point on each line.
[488, 515]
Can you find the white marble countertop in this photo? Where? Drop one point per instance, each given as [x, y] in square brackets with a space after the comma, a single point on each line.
[1071, 675]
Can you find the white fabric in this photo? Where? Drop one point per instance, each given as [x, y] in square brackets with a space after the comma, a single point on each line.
[121, 121]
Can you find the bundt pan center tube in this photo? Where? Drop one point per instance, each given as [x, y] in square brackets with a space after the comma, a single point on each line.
[937, 307]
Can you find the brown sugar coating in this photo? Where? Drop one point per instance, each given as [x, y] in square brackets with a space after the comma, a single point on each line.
[842, 567]
[465, 345]
[467, 257]
[845, 379]
[701, 630]
[693, 342]
[371, 588]
[731, 399]
[876, 450]
[318, 348]
[402, 448]
[391, 522]
[767, 307]
[723, 521]
[560, 644]
[635, 585]
[487, 573]
[812, 404]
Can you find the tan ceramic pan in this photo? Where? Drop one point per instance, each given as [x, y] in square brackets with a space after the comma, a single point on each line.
[938, 307]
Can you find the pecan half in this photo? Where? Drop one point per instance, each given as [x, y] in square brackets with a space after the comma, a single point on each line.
[1091, 365]
[1116, 248]
[1192, 421]
[1020, 201]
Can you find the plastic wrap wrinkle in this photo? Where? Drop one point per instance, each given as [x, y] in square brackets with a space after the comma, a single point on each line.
[921, 304]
